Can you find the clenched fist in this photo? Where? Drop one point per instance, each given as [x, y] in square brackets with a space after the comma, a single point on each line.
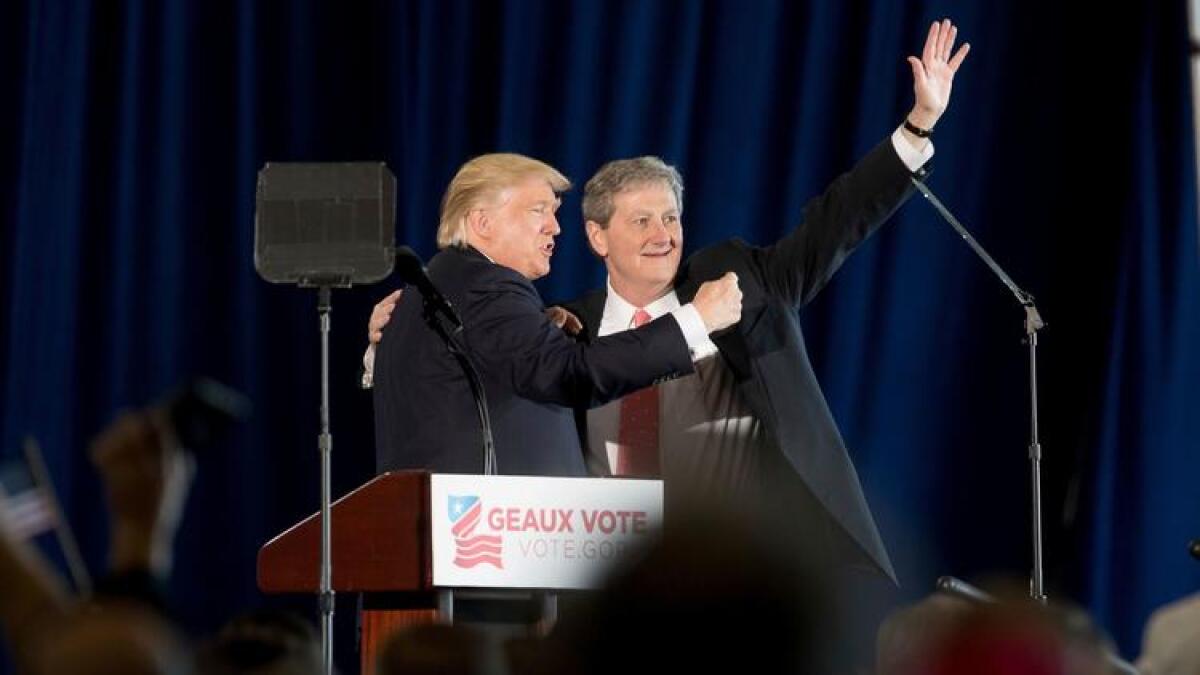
[719, 302]
[146, 475]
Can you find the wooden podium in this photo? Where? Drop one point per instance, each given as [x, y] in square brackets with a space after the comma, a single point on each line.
[410, 540]
[380, 545]
[380, 535]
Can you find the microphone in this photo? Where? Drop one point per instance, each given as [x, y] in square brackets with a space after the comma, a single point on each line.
[412, 271]
[1194, 548]
[962, 589]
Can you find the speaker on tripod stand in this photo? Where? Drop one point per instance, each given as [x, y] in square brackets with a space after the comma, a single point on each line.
[325, 226]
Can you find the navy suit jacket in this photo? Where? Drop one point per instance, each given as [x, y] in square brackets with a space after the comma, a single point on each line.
[766, 351]
[533, 374]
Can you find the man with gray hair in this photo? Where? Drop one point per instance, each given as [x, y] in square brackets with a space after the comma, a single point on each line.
[497, 233]
[751, 427]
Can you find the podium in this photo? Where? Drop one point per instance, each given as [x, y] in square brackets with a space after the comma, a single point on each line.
[410, 541]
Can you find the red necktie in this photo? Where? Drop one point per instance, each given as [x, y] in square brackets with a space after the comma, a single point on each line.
[637, 452]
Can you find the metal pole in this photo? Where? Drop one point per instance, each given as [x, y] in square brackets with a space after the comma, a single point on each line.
[1033, 323]
[1037, 589]
[325, 445]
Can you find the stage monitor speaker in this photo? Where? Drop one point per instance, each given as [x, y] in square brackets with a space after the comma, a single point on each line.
[325, 224]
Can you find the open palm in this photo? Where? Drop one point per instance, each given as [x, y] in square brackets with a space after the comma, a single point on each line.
[933, 73]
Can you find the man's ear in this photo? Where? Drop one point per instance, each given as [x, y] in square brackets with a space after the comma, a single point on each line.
[478, 224]
[597, 238]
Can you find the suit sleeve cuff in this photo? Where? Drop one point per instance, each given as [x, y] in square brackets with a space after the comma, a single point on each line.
[913, 159]
[694, 331]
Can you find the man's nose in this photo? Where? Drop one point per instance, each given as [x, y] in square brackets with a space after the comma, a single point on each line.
[552, 222]
[659, 230]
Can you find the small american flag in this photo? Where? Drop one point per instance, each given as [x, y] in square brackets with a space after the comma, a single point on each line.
[29, 507]
[472, 549]
[25, 505]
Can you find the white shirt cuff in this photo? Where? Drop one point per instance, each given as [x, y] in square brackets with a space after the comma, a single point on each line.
[368, 373]
[688, 318]
[913, 158]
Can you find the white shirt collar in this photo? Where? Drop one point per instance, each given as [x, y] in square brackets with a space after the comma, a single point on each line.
[618, 312]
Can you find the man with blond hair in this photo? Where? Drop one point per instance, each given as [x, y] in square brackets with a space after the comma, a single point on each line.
[496, 236]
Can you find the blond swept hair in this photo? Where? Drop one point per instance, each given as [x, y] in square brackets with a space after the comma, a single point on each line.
[481, 181]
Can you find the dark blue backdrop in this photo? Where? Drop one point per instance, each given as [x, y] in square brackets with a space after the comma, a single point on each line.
[128, 153]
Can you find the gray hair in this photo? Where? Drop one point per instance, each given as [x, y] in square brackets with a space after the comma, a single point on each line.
[623, 174]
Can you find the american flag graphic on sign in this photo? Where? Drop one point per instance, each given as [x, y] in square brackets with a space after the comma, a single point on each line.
[472, 549]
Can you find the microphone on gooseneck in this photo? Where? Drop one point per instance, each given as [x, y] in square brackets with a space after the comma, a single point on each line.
[412, 271]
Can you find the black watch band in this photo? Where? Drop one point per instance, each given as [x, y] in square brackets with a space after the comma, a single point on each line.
[916, 130]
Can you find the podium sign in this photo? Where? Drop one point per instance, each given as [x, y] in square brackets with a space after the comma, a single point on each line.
[537, 532]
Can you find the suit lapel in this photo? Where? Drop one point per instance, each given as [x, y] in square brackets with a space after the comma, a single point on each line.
[685, 286]
[590, 310]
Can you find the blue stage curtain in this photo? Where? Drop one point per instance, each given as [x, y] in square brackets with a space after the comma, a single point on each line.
[134, 130]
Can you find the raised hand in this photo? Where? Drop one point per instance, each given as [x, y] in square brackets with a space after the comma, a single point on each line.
[933, 73]
[146, 476]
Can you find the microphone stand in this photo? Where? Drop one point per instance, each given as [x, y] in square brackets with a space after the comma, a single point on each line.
[430, 313]
[1033, 323]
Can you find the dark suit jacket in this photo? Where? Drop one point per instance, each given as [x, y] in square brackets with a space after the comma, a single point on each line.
[533, 374]
[766, 352]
